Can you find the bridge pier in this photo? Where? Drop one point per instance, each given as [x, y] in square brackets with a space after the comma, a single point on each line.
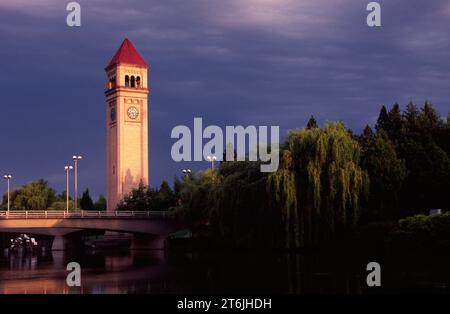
[59, 243]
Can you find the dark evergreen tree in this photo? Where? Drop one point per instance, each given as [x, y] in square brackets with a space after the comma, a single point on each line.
[395, 123]
[367, 136]
[177, 184]
[430, 121]
[383, 120]
[312, 123]
[86, 202]
[411, 117]
[424, 146]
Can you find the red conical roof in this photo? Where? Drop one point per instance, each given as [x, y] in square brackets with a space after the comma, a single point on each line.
[127, 54]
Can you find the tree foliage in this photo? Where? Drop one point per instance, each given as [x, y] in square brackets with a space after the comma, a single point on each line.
[100, 204]
[312, 123]
[328, 181]
[241, 208]
[387, 173]
[422, 140]
[145, 198]
[86, 202]
[36, 195]
[320, 184]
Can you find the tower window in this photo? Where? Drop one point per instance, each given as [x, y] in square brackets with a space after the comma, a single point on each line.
[127, 81]
[112, 82]
[138, 82]
[133, 81]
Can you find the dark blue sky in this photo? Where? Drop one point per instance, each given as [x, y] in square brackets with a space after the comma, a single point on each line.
[259, 62]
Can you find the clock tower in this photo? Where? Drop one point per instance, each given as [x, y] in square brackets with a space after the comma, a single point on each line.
[126, 123]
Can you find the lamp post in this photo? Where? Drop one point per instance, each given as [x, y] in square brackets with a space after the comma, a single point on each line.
[7, 177]
[67, 169]
[212, 159]
[187, 172]
[75, 160]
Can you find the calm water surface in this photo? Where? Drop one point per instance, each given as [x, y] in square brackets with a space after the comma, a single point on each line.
[155, 271]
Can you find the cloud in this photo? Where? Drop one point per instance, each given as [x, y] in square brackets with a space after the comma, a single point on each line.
[43, 8]
[233, 62]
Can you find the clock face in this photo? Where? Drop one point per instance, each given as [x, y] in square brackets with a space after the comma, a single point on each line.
[133, 112]
[113, 114]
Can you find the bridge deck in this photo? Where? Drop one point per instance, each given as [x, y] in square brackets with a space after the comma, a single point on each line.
[82, 214]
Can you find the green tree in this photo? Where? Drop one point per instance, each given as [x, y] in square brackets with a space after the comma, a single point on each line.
[196, 196]
[387, 173]
[135, 200]
[60, 202]
[62, 205]
[36, 195]
[422, 140]
[242, 215]
[100, 204]
[428, 176]
[383, 120]
[430, 119]
[395, 123]
[86, 202]
[367, 136]
[319, 184]
[312, 123]
[163, 198]
[145, 198]
[177, 185]
[411, 117]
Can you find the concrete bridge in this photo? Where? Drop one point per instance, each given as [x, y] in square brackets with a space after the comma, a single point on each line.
[61, 223]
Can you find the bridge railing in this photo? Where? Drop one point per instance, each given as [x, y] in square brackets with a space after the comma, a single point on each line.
[81, 214]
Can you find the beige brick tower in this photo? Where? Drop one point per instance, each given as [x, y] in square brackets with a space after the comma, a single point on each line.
[126, 123]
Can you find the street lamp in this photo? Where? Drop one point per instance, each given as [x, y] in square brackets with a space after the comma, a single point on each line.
[67, 169]
[187, 172]
[7, 177]
[212, 159]
[75, 160]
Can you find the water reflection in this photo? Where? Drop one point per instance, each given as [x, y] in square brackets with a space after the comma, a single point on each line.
[156, 271]
[120, 272]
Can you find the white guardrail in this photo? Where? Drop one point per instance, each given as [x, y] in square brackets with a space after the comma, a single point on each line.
[62, 214]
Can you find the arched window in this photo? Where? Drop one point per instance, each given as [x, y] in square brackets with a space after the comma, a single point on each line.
[132, 81]
[127, 81]
[138, 82]
[112, 82]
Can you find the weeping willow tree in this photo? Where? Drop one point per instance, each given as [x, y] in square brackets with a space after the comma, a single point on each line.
[319, 184]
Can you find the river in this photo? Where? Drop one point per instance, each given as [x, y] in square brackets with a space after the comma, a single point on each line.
[157, 271]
